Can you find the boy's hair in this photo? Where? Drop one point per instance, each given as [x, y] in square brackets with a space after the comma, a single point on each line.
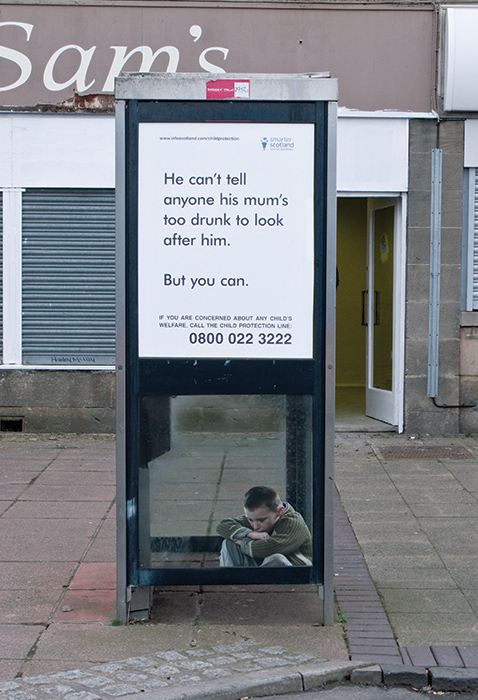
[259, 496]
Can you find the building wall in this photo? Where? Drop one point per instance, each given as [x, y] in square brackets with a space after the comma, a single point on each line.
[66, 402]
[421, 415]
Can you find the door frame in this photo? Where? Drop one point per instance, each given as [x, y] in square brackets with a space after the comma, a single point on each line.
[394, 400]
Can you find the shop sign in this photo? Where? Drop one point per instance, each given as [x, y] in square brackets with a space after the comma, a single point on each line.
[81, 80]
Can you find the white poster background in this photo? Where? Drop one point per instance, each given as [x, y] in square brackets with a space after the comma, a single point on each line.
[231, 275]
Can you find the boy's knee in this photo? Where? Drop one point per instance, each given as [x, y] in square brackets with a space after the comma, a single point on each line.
[276, 560]
[226, 553]
[231, 554]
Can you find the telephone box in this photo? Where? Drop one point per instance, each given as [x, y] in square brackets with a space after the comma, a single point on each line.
[226, 283]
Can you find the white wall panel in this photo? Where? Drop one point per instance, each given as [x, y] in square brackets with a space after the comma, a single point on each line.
[461, 59]
[43, 150]
[5, 150]
[372, 154]
[471, 143]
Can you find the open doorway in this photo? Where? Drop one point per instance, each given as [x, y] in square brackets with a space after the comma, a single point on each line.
[359, 298]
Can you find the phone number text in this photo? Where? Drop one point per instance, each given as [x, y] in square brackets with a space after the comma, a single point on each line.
[240, 338]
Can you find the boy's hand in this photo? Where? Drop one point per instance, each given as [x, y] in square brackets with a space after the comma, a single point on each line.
[258, 535]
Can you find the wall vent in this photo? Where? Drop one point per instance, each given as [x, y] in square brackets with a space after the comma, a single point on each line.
[11, 425]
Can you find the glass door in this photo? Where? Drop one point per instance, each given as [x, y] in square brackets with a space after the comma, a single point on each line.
[380, 305]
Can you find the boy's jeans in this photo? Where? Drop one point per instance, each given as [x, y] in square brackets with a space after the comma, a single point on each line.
[231, 555]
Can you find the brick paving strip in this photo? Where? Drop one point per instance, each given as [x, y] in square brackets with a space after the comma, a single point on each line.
[369, 635]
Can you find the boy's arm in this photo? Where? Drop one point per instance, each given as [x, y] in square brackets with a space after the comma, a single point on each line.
[286, 538]
[233, 528]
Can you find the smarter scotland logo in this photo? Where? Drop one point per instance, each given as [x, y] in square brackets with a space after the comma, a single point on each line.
[277, 143]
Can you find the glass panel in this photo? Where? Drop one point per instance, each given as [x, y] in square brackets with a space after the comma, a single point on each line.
[200, 455]
[383, 298]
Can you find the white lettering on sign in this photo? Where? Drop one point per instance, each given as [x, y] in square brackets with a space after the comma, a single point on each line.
[20, 59]
[210, 67]
[147, 60]
[81, 81]
[79, 77]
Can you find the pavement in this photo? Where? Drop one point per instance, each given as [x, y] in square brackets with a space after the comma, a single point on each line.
[405, 579]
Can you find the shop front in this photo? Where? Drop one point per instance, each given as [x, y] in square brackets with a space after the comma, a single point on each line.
[57, 175]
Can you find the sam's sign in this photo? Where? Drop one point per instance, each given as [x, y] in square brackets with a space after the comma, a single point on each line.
[80, 78]
[50, 50]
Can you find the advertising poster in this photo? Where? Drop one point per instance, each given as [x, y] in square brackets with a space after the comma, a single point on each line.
[226, 240]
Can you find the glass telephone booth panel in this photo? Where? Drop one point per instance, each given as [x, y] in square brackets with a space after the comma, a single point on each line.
[201, 454]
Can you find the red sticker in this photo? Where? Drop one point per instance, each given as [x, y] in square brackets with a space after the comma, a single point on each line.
[227, 89]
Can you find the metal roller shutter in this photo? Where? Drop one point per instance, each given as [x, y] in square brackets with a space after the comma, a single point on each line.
[475, 243]
[68, 288]
[1, 276]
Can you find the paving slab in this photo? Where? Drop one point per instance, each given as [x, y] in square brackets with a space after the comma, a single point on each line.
[102, 549]
[463, 571]
[27, 575]
[5, 506]
[425, 629]
[16, 640]
[72, 510]
[94, 576]
[386, 575]
[76, 477]
[25, 548]
[87, 606]
[63, 492]
[42, 529]
[275, 608]
[9, 668]
[444, 510]
[10, 492]
[95, 463]
[95, 642]
[319, 641]
[413, 600]
[32, 606]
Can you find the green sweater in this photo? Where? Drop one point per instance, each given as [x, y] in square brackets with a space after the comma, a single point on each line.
[290, 537]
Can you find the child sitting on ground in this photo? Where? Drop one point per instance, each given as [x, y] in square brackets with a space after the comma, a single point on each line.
[270, 533]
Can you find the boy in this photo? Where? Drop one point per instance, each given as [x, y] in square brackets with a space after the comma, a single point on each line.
[271, 533]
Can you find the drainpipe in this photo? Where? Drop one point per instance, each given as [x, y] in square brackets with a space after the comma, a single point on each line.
[435, 260]
[435, 265]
